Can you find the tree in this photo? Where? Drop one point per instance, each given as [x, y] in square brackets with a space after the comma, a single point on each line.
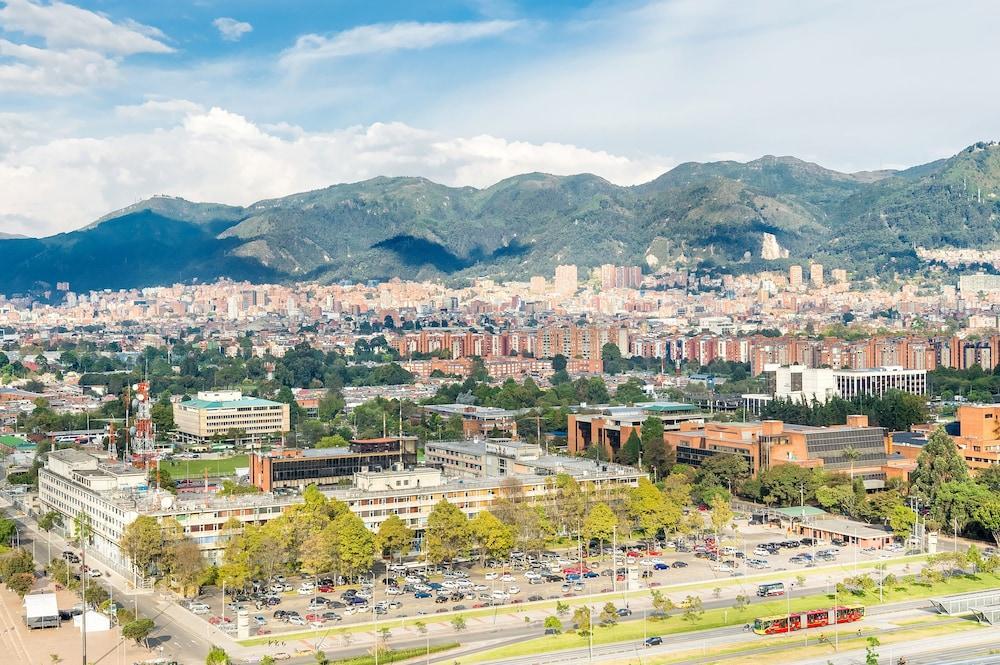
[600, 524]
[217, 656]
[21, 583]
[693, 608]
[447, 533]
[630, 392]
[741, 603]
[138, 630]
[630, 452]
[581, 617]
[142, 542]
[661, 602]
[183, 560]
[901, 520]
[332, 404]
[48, 521]
[559, 363]
[562, 609]
[332, 441]
[267, 660]
[393, 537]
[852, 455]
[721, 514]
[939, 462]
[650, 510]
[492, 538]
[871, 652]
[356, 544]
[553, 623]
[458, 623]
[609, 614]
[611, 355]
[987, 514]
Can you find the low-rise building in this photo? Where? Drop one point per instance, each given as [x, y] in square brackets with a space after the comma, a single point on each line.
[610, 426]
[478, 420]
[299, 467]
[228, 415]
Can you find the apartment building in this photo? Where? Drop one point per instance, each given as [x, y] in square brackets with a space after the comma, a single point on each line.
[478, 420]
[223, 413]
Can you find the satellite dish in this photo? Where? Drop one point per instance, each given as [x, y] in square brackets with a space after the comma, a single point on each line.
[131, 430]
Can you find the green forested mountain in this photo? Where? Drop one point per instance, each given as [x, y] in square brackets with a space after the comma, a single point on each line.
[714, 215]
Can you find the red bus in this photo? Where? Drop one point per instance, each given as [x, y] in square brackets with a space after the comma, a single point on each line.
[786, 623]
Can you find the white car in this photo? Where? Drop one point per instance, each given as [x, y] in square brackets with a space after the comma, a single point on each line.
[490, 576]
[481, 587]
[513, 590]
[465, 584]
[413, 579]
[199, 608]
[304, 591]
[723, 568]
[532, 575]
[94, 573]
[761, 551]
[450, 584]
[393, 591]
[500, 595]
[507, 577]
[296, 620]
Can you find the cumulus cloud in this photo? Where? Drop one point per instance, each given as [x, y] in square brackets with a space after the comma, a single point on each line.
[231, 29]
[64, 26]
[49, 72]
[157, 108]
[82, 49]
[387, 37]
[216, 155]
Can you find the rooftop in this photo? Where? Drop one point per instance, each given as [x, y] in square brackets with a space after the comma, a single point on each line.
[227, 404]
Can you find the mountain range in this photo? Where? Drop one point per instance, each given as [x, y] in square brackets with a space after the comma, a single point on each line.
[723, 216]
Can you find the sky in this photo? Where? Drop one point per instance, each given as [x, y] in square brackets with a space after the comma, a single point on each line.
[107, 102]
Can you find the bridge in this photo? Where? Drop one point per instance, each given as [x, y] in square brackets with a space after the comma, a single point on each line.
[984, 605]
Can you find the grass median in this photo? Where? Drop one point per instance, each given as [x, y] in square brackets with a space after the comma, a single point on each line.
[717, 618]
[542, 608]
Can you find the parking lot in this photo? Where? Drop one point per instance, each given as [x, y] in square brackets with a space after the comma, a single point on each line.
[291, 603]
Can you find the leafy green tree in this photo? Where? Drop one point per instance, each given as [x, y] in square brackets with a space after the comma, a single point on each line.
[693, 608]
[612, 357]
[458, 623]
[356, 544]
[491, 537]
[939, 462]
[138, 630]
[393, 537]
[217, 656]
[581, 617]
[562, 608]
[553, 623]
[901, 520]
[609, 614]
[21, 583]
[721, 514]
[629, 453]
[741, 602]
[871, 651]
[330, 405]
[142, 542]
[987, 514]
[631, 392]
[47, 522]
[332, 441]
[600, 523]
[651, 511]
[447, 533]
[661, 602]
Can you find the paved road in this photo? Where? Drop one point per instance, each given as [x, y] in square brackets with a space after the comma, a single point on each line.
[177, 634]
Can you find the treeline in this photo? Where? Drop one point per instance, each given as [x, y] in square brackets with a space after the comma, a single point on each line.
[896, 411]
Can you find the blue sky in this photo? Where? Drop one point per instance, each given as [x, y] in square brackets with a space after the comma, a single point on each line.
[105, 102]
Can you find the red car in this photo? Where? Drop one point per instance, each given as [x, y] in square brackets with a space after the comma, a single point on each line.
[325, 588]
[654, 552]
[575, 569]
[315, 617]
[634, 554]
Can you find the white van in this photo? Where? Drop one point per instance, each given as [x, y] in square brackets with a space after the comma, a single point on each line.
[199, 608]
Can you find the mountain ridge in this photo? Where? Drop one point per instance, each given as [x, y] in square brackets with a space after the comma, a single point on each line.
[714, 215]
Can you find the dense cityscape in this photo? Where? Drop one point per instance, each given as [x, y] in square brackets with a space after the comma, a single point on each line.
[631, 332]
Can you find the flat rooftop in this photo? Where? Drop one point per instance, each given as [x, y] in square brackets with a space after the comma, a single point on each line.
[227, 404]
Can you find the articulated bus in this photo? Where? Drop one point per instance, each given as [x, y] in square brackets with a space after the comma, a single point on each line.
[785, 623]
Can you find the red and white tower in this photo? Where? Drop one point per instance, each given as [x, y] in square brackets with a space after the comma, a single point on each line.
[143, 436]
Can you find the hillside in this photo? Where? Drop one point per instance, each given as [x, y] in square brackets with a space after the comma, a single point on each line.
[714, 214]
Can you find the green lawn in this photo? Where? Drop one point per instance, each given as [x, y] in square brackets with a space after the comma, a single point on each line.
[195, 468]
[717, 618]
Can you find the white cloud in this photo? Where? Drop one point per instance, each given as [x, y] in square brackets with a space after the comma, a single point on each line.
[219, 156]
[157, 108]
[65, 26]
[48, 72]
[231, 29]
[387, 37]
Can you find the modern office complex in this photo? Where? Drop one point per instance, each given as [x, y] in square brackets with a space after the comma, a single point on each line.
[610, 426]
[806, 384]
[228, 415]
[299, 467]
